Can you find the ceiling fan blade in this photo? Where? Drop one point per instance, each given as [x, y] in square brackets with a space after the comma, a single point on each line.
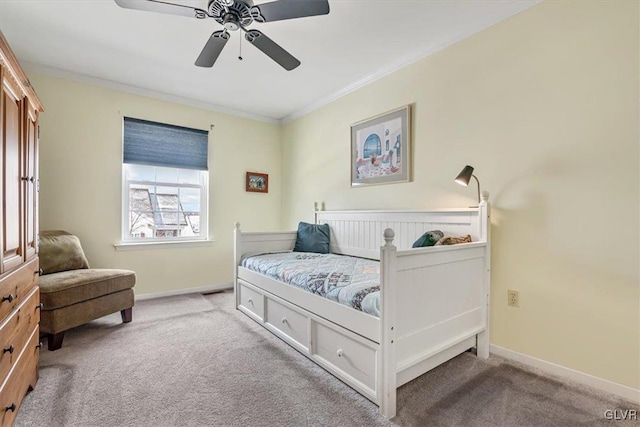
[212, 49]
[288, 9]
[162, 7]
[272, 49]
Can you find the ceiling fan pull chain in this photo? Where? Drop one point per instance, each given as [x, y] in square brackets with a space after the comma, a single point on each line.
[240, 55]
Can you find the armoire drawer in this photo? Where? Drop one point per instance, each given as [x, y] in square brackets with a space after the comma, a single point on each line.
[16, 285]
[22, 376]
[288, 321]
[16, 329]
[251, 300]
[348, 354]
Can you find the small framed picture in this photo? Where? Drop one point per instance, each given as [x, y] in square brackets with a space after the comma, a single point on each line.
[381, 149]
[257, 182]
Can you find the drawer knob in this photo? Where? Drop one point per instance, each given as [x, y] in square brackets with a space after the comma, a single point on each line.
[340, 353]
[40, 306]
[38, 272]
[11, 407]
[250, 301]
[7, 298]
[8, 350]
[284, 320]
[39, 345]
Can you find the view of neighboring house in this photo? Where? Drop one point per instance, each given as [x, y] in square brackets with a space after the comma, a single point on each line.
[159, 215]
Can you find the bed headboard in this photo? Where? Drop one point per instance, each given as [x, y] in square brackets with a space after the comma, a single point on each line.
[359, 233]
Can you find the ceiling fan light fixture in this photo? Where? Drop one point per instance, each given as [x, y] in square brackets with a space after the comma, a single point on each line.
[230, 22]
[236, 15]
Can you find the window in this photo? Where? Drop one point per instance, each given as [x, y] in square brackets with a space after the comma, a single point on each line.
[372, 146]
[165, 180]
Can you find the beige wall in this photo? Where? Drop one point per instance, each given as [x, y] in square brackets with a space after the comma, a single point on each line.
[545, 106]
[81, 180]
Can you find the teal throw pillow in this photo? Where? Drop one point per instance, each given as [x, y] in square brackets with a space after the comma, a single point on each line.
[312, 238]
[429, 238]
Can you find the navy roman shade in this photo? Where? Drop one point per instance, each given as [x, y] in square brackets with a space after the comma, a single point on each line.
[159, 144]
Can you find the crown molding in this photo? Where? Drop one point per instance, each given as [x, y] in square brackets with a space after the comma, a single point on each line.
[403, 62]
[384, 71]
[377, 75]
[109, 84]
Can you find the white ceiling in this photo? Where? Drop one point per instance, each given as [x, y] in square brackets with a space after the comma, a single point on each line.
[153, 53]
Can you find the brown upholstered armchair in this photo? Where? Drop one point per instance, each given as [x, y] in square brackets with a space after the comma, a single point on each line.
[72, 293]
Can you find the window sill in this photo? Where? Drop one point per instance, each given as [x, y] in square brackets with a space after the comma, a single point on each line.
[134, 246]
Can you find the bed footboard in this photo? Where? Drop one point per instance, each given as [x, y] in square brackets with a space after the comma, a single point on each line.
[444, 304]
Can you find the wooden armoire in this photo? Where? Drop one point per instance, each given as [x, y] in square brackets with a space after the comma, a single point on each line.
[19, 271]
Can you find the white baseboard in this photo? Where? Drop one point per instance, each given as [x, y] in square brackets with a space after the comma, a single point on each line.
[620, 390]
[200, 290]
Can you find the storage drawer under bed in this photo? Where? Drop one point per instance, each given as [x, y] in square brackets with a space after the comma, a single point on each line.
[349, 356]
[353, 357]
[288, 321]
[250, 301]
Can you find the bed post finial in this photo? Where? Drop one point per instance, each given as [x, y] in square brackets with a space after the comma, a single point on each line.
[315, 206]
[237, 225]
[389, 234]
[485, 196]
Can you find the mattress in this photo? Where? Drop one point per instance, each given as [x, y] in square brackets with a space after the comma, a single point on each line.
[351, 281]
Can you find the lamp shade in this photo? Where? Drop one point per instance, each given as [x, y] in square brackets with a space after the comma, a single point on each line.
[465, 175]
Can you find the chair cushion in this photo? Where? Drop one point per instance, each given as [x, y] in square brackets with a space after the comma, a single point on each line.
[60, 251]
[71, 287]
[64, 318]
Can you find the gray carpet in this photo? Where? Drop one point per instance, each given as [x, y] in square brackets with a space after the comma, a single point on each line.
[195, 361]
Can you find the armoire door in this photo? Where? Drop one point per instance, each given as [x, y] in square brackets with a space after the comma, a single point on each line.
[31, 184]
[12, 179]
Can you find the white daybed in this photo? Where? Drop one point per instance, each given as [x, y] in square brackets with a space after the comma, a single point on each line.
[434, 300]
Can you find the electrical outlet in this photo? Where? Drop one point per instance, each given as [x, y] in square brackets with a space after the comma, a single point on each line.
[513, 298]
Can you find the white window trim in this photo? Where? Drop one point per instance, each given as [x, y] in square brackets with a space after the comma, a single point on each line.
[127, 243]
[132, 246]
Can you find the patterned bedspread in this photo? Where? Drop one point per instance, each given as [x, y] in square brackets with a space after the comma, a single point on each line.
[354, 282]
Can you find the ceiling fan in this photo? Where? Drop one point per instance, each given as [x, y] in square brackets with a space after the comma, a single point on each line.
[238, 15]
